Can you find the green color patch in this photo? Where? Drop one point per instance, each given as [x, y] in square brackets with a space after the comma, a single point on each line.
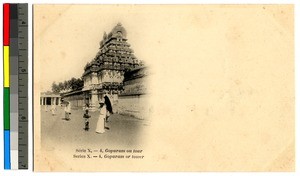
[6, 108]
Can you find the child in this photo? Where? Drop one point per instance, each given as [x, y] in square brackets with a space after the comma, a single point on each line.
[53, 109]
[86, 116]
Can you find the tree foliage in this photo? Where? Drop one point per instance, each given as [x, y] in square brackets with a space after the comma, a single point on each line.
[68, 85]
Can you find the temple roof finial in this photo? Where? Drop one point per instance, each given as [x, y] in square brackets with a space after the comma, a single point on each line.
[119, 29]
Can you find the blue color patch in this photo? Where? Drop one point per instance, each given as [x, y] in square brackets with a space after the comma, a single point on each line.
[7, 149]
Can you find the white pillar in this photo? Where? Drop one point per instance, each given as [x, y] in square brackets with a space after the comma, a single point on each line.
[46, 104]
[94, 100]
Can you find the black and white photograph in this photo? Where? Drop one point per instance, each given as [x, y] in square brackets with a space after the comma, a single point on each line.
[107, 104]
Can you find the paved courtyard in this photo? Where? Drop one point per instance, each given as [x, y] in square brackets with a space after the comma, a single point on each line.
[124, 131]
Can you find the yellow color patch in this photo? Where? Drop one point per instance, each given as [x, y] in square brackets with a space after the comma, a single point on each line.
[6, 65]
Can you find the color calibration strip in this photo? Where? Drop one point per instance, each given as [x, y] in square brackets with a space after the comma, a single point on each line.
[15, 49]
[6, 94]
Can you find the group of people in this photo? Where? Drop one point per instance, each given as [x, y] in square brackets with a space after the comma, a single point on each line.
[105, 108]
[105, 111]
[67, 109]
[52, 109]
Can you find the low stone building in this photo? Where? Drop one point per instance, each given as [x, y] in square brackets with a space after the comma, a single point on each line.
[76, 98]
[49, 98]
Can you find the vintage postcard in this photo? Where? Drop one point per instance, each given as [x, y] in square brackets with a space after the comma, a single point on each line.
[164, 87]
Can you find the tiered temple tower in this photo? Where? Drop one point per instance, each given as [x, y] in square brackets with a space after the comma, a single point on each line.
[104, 75]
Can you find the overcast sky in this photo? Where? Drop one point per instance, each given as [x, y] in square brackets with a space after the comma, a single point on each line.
[69, 37]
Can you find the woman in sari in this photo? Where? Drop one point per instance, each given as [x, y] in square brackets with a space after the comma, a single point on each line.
[102, 115]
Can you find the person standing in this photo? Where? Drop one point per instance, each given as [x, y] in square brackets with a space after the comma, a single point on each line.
[46, 108]
[108, 108]
[67, 110]
[102, 116]
[53, 109]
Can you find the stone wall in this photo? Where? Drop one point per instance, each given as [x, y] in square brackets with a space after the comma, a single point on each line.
[134, 100]
[136, 106]
[77, 101]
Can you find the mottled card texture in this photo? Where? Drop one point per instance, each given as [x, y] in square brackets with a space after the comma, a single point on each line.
[192, 87]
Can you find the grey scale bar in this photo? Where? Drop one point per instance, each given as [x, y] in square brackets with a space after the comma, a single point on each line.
[13, 64]
[23, 85]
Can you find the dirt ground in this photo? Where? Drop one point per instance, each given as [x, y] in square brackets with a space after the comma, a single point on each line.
[124, 131]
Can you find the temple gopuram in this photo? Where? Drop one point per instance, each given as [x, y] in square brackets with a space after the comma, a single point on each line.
[104, 75]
